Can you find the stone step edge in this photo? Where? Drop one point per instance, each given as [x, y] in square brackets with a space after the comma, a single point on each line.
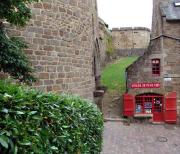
[127, 120]
[115, 120]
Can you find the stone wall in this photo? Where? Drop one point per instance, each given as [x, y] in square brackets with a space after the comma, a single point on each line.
[129, 52]
[141, 71]
[131, 38]
[63, 45]
[165, 45]
[104, 34]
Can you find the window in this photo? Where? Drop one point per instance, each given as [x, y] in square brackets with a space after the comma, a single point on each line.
[148, 103]
[177, 4]
[143, 104]
[139, 104]
[156, 66]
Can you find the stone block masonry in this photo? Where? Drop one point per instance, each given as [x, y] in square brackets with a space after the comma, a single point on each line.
[104, 35]
[129, 41]
[131, 38]
[61, 39]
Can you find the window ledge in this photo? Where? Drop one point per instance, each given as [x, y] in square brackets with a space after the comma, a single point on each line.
[143, 115]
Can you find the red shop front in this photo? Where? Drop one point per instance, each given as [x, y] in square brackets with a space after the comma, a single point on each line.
[156, 106]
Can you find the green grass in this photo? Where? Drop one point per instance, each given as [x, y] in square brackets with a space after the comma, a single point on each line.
[113, 76]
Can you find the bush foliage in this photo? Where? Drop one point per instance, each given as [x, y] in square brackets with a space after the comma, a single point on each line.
[12, 57]
[16, 12]
[45, 123]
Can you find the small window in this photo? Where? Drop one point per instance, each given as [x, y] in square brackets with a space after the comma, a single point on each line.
[177, 4]
[156, 66]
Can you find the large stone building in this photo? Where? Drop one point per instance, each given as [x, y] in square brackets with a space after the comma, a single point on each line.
[63, 45]
[154, 79]
[130, 41]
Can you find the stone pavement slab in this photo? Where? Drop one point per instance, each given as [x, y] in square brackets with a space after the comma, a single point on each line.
[141, 139]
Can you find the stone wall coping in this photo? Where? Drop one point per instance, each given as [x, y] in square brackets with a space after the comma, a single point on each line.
[103, 26]
[131, 28]
[101, 20]
[146, 53]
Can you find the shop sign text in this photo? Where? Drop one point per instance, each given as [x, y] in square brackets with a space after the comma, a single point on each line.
[146, 85]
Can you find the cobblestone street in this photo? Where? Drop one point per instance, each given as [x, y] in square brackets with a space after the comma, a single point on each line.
[141, 139]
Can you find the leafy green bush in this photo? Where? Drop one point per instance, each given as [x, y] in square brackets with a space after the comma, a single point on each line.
[35, 122]
[13, 59]
[16, 12]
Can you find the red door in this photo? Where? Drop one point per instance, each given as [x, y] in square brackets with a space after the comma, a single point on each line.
[170, 113]
[128, 105]
[158, 105]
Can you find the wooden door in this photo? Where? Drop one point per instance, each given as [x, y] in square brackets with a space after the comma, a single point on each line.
[158, 109]
[170, 112]
[128, 105]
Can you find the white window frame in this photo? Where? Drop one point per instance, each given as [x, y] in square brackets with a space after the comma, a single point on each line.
[177, 4]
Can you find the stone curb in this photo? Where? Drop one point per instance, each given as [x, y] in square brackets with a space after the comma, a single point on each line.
[115, 120]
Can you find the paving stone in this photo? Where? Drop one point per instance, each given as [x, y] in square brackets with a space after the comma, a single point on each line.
[141, 139]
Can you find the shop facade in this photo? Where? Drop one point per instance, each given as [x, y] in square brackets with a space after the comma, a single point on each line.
[153, 81]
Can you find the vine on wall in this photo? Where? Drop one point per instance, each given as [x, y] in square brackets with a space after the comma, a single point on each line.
[109, 45]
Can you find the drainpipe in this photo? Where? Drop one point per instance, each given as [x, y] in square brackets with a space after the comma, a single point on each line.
[162, 50]
[126, 81]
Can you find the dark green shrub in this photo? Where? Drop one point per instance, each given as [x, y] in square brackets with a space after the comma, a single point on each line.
[16, 12]
[12, 58]
[35, 122]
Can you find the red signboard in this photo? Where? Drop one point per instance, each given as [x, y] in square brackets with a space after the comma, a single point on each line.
[145, 85]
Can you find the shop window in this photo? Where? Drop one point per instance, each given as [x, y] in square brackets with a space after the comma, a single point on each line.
[148, 103]
[156, 67]
[143, 105]
[139, 105]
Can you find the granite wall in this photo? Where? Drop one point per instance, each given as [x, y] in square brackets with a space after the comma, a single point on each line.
[63, 45]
